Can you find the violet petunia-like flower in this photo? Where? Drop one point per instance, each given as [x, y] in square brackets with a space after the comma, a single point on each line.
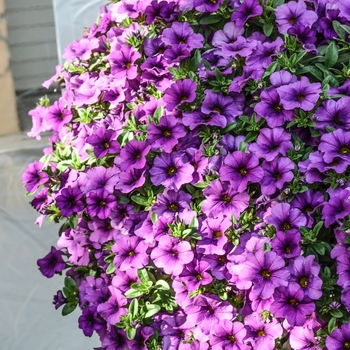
[89, 321]
[339, 339]
[239, 168]
[182, 91]
[303, 338]
[222, 199]
[52, 263]
[292, 304]
[195, 274]
[104, 142]
[207, 5]
[266, 270]
[335, 144]
[171, 170]
[33, 177]
[287, 244]
[100, 203]
[171, 254]
[247, 9]
[134, 154]
[301, 94]
[69, 201]
[270, 143]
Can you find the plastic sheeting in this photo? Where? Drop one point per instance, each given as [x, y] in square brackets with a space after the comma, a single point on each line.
[72, 17]
[28, 320]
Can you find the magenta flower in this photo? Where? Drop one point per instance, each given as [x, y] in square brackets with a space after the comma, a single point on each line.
[222, 199]
[100, 203]
[182, 91]
[207, 5]
[301, 94]
[335, 144]
[339, 339]
[338, 207]
[195, 275]
[90, 321]
[123, 62]
[134, 154]
[104, 142]
[266, 271]
[303, 338]
[171, 254]
[33, 177]
[240, 168]
[171, 170]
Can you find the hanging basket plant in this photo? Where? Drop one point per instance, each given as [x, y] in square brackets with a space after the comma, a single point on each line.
[199, 169]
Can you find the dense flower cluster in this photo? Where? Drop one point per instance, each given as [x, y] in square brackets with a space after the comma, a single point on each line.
[199, 164]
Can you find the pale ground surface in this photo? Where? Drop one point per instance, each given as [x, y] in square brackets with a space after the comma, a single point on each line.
[28, 320]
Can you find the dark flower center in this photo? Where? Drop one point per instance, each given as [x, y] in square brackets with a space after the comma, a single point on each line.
[304, 281]
[138, 155]
[266, 274]
[286, 226]
[217, 109]
[301, 97]
[261, 333]
[211, 310]
[61, 116]
[287, 250]
[226, 199]
[347, 345]
[173, 207]
[102, 203]
[308, 210]
[172, 170]
[174, 253]
[231, 338]
[106, 145]
[167, 133]
[243, 171]
[222, 259]
[217, 234]
[199, 277]
[131, 253]
[207, 119]
[291, 20]
[184, 98]
[344, 150]
[293, 302]
[128, 65]
[195, 165]
[337, 121]
[277, 108]
[277, 176]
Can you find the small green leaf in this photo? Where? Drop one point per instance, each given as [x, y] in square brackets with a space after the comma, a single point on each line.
[110, 269]
[332, 55]
[133, 293]
[336, 313]
[152, 309]
[268, 28]
[154, 218]
[134, 308]
[143, 276]
[158, 113]
[140, 200]
[130, 333]
[68, 308]
[211, 19]
[317, 227]
[73, 221]
[332, 324]
[319, 247]
[338, 29]
[195, 61]
[162, 285]
[70, 284]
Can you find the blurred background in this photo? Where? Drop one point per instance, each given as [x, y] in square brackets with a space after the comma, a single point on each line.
[33, 34]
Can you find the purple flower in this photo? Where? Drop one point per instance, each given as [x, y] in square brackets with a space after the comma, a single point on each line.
[131, 179]
[57, 115]
[247, 9]
[227, 35]
[301, 94]
[276, 174]
[270, 143]
[338, 207]
[171, 254]
[266, 271]
[80, 49]
[207, 5]
[195, 275]
[287, 244]
[100, 177]
[262, 334]
[182, 91]
[59, 299]
[171, 170]
[240, 168]
[89, 321]
[100, 203]
[166, 134]
[33, 177]
[104, 142]
[123, 62]
[294, 14]
[292, 304]
[182, 33]
[339, 339]
[130, 253]
[335, 144]
[114, 339]
[334, 113]
[52, 263]
[207, 311]
[303, 338]
[222, 199]
[69, 201]
[134, 154]
[285, 218]
[228, 335]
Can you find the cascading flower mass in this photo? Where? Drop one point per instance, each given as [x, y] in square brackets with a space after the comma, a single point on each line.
[199, 166]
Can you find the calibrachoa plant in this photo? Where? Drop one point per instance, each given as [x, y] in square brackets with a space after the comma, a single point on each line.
[199, 167]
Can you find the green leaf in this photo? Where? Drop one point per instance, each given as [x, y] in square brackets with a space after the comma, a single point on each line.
[336, 313]
[228, 128]
[158, 113]
[332, 55]
[110, 269]
[154, 218]
[268, 28]
[338, 29]
[195, 61]
[73, 221]
[312, 70]
[130, 333]
[162, 285]
[152, 309]
[317, 227]
[332, 324]
[134, 308]
[133, 293]
[211, 19]
[70, 284]
[140, 200]
[143, 276]
[319, 247]
[68, 308]
[201, 185]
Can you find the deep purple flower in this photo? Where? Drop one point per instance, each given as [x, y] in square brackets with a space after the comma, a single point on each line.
[301, 94]
[339, 339]
[104, 142]
[171, 254]
[240, 48]
[59, 299]
[115, 339]
[266, 271]
[335, 144]
[207, 311]
[207, 5]
[171, 170]
[52, 263]
[292, 304]
[276, 174]
[166, 134]
[260, 334]
[123, 62]
[285, 218]
[270, 143]
[33, 177]
[134, 154]
[89, 321]
[100, 203]
[337, 207]
[102, 230]
[287, 244]
[227, 35]
[247, 9]
[222, 199]
[271, 109]
[130, 253]
[294, 14]
[182, 91]
[69, 201]
[239, 168]
[100, 177]
[177, 53]
[131, 179]
[182, 33]
[228, 335]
